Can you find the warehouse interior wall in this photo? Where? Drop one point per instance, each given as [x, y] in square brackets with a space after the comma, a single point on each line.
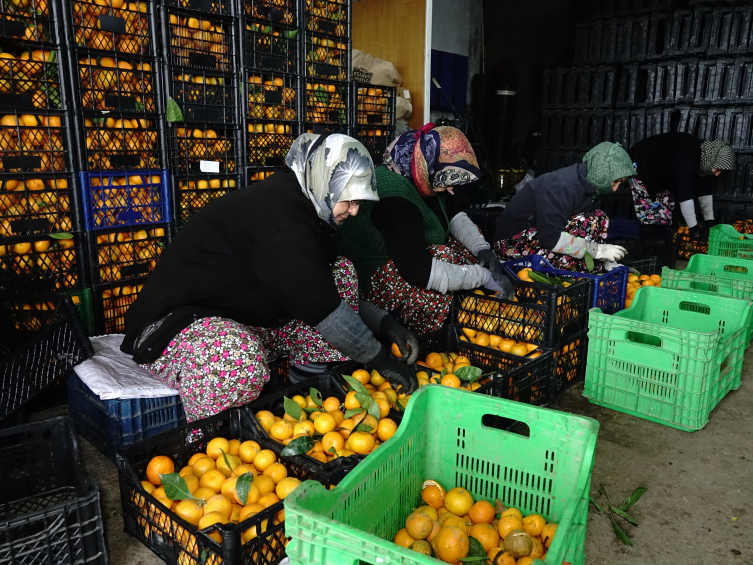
[521, 39]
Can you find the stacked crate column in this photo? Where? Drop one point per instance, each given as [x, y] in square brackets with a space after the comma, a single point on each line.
[374, 123]
[40, 243]
[200, 71]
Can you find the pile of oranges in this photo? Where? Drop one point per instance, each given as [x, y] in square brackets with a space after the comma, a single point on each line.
[329, 52]
[448, 362]
[117, 250]
[260, 9]
[31, 74]
[42, 259]
[211, 479]
[321, 14]
[204, 144]
[100, 77]
[259, 107]
[109, 137]
[260, 175]
[452, 526]
[194, 35]
[115, 303]
[334, 434]
[326, 103]
[32, 12]
[34, 199]
[688, 247]
[27, 135]
[506, 344]
[635, 282]
[489, 315]
[89, 32]
[196, 193]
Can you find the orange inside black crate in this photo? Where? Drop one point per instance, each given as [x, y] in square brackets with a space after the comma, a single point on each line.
[31, 203]
[115, 83]
[193, 144]
[125, 29]
[200, 43]
[32, 143]
[115, 142]
[128, 253]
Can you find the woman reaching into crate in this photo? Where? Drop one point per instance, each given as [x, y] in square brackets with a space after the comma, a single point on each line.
[556, 215]
[685, 166]
[255, 275]
[414, 247]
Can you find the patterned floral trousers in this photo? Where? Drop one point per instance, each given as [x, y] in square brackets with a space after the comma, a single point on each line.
[217, 363]
[420, 309]
[592, 227]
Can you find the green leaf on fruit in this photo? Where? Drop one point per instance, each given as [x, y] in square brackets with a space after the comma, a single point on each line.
[61, 235]
[243, 485]
[316, 396]
[174, 113]
[298, 446]
[292, 408]
[476, 553]
[363, 399]
[175, 486]
[356, 385]
[363, 428]
[353, 411]
[374, 410]
[227, 461]
[468, 373]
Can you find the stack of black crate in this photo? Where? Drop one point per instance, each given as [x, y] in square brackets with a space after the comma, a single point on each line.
[200, 72]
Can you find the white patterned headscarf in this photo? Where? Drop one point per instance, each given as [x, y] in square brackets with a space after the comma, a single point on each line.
[339, 169]
[716, 154]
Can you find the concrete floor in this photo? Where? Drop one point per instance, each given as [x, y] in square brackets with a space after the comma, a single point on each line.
[698, 508]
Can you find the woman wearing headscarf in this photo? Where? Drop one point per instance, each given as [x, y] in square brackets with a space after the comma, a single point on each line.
[556, 215]
[413, 247]
[683, 165]
[254, 275]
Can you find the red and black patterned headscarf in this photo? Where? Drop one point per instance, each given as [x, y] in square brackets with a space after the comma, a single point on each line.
[433, 158]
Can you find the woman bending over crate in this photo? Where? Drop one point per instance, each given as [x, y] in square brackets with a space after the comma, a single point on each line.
[413, 248]
[685, 166]
[256, 275]
[556, 215]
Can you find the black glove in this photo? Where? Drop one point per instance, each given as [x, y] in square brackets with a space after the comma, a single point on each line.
[395, 332]
[487, 258]
[399, 375]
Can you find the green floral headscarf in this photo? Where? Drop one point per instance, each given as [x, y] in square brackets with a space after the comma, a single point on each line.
[606, 163]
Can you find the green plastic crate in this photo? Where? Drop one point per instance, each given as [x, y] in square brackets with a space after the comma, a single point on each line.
[547, 473]
[670, 358]
[726, 241]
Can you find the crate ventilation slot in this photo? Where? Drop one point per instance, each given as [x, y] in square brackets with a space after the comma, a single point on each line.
[695, 307]
[735, 269]
[647, 373]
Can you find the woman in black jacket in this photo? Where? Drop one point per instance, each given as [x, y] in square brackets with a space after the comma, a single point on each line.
[255, 275]
[683, 165]
[556, 216]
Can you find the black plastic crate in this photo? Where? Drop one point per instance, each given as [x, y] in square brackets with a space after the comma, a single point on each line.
[111, 302]
[663, 249]
[203, 97]
[129, 29]
[645, 266]
[374, 122]
[631, 39]
[41, 264]
[595, 87]
[38, 143]
[175, 540]
[120, 141]
[272, 96]
[274, 11]
[627, 86]
[736, 187]
[543, 314]
[50, 506]
[700, 30]
[267, 143]
[219, 7]
[125, 254]
[327, 57]
[715, 78]
[331, 17]
[38, 203]
[194, 192]
[36, 21]
[28, 368]
[198, 42]
[269, 48]
[31, 78]
[730, 30]
[595, 42]
[659, 36]
[201, 148]
[327, 103]
[548, 161]
[523, 379]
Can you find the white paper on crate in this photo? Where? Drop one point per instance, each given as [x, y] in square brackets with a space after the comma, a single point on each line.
[114, 375]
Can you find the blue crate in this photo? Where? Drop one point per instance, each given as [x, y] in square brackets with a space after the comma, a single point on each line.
[113, 206]
[608, 288]
[111, 425]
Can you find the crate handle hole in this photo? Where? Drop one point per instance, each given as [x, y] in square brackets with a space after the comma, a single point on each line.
[695, 307]
[735, 269]
[643, 339]
[505, 424]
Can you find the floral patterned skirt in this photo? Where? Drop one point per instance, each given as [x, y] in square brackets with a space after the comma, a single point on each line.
[218, 363]
[592, 227]
[420, 309]
[656, 211]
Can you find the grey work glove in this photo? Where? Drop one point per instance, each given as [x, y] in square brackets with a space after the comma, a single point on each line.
[489, 259]
[467, 233]
[605, 251]
[398, 374]
[407, 342]
[609, 265]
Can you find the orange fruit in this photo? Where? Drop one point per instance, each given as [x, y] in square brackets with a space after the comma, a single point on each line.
[450, 380]
[265, 484]
[276, 472]
[202, 465]
[538, 549]
[216, 446]
[212, 479]
[159, 465]
[253, 496]
[232, 460]
[281, 430]
[333, 440]
[525, 561]
[396, 350]
[148, 487]
[449, 519]
[266, 419]
[432, 495]
[218, 503]
[519, 349]
[350, 400]
[264, 459]
[498, 558]
[235, 446]
[403, 539]
[421, 546]
[331, 404]
[386, 429]
[482, 512]
[248, 450]
[547, 534]
[483, 339]
[195, 457]
[361, 375]
[286, 486]
[518, 544]
[211, 519]
[325, 423]
[192, 482]
[419, 525]
[507, 524]
[249, 510]
[512, 512]
[451, 544]
[190, 511]
[203, 493]
[185, 471]
[458, 501]
[434, 360]
[533, 525]
[267, 500]
[361, 442]
[485, 534]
